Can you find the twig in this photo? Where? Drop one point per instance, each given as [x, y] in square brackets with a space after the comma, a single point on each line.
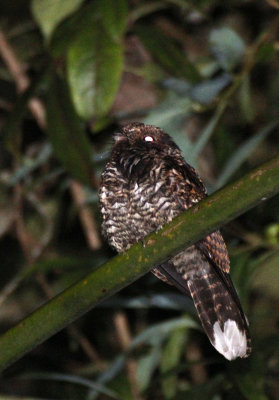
[27, 242]
[251, 59]
[31, 248]
[273, 3]
[225, 98]
[86, 217]
[87, 347]
[37, 108]
[10, 287]
[21, 79]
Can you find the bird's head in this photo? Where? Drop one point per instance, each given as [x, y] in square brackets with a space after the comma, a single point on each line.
[143, 138]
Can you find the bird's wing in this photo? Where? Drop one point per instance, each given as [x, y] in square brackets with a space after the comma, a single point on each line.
[213, 292]
[218, 257]
[168, 274]
[188, 189]
[220, 313]
[214, 248]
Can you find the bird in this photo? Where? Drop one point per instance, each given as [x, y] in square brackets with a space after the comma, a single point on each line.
[147, 182]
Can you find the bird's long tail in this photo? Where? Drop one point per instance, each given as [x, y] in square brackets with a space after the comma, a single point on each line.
[221, 314]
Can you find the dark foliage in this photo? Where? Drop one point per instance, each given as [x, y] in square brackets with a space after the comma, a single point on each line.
[71, 72]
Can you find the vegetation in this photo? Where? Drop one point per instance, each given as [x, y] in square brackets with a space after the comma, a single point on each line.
[73, 71]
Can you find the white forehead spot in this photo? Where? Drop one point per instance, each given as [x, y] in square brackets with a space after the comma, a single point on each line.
[148, 139]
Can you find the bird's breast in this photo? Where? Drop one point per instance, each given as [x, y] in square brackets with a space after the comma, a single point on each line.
[132, 208]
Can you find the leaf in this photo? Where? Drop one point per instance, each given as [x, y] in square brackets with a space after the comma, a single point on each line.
[49, 13]
[153, 336]
[250, 377]
[208, 390]
[110, 373]
[272, 234]
[120, 385]
[11, 129]
[228, 47]
[170, 116]
[143, 9]
[94, 67]
[241, 272]
[65, 34]
[171, 355]
[7, 397]
[245, 98]
[114, 16]
[146, 366]
[167, 53]
[158, 332]
[74, 380]
[165, 301]
[113, 19]
[266, 275]
[30, 164]
[206, 91]
[244, 151]
[69, 141]
[207, 132]
[252, 386]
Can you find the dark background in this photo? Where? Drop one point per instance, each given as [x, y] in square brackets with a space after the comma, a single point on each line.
[71, 72]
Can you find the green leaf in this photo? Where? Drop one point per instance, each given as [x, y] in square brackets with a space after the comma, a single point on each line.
[240, 268]
[272, 234]
[114, 16]
[244, 151]
[266, 275]
[94, 66]
[146, 367]
[167, 53]
[207, 131]
[120, 385]
[158, 332]
[145, 8]
[250, 377]
[49, 13]
[65, 33]
[171, 355]
[69, 141]
[209, 390]
[228, 47]
[245, 97]
[74, 380]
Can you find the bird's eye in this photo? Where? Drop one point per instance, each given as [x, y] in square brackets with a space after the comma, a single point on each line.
[148, 139]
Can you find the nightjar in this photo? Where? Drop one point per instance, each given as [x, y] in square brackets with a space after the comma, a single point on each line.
[145, 184]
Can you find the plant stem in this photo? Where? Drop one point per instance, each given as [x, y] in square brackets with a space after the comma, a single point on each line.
[120, 271]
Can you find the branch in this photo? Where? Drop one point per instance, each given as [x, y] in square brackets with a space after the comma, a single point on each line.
[21, 79]
[125, 268]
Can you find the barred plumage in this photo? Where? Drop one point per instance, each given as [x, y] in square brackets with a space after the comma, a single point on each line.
[145, 184]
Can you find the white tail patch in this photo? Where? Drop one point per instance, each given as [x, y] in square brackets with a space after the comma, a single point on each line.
[231, 342]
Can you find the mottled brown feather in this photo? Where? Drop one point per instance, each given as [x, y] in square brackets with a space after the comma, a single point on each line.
[145, 184]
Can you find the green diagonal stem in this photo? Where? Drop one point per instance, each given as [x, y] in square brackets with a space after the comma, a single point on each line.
[120, 271]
